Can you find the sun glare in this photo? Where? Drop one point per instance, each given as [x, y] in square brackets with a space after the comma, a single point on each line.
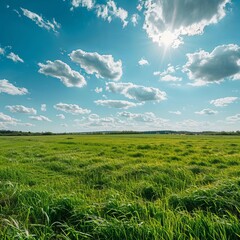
[167, 38]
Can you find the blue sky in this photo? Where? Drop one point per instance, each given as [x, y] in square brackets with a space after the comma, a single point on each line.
[95, 65]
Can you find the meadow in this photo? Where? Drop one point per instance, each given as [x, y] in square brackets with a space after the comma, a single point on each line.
[120, 187]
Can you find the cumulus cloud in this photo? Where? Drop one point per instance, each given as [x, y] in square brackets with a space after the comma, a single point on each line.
[170, 78]
[38, 19]
[222, 102]
[98, 90]
[222, 63]
[207, 111]
[21, 109]
[103, 66]
[116, 103]
[43, 107]
[233, 119]
[110, 10]
[137, 92]
[167, 75]
[71, 108]
[134, 19]
[7, 119]
[61, 116]
[89, 4]
[167, 21]
[62, 71]
[2, 51]
[95, 121]
[40, 118]
[142, 117]
[9, 88]
[14, 57]
[142, 62]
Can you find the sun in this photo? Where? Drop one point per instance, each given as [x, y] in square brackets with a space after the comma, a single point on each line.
[167, 38]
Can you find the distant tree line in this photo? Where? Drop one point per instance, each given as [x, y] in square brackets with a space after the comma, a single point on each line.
[21, 133]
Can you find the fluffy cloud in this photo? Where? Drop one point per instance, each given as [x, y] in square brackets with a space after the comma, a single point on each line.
[142, 117]
[106, 11]
[9, 88]
[137, 92]
[116, 103]
[222, 102]
[62, 71]
[110, 10]
[71, 108]
[43, 107]
[233, 119]
[61, 116]
[167, 21]
[222, 63]
[170, 78]
[89, 4]
[167, 75]
[207, 111]
[134, 19]
[2, 51]
[103, 66]
[14, 57]
[96, 121]
[40, 118]
[21, 109]
[7, 119]
[40, 21]
[98, 90]
[143, 61]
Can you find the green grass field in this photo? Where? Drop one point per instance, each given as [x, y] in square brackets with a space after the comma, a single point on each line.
[120, 187]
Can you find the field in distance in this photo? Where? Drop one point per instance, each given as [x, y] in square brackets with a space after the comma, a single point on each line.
[120, 187]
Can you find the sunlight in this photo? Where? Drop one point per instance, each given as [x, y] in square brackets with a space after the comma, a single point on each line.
[168, 38]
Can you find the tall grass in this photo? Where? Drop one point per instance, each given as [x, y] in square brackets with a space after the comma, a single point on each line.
[120, 187]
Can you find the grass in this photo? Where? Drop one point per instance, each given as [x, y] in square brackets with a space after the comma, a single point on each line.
[120, 187]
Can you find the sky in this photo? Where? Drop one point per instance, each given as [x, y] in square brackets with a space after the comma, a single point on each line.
[119, 65]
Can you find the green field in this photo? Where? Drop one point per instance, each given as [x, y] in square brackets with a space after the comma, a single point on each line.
[120, 187]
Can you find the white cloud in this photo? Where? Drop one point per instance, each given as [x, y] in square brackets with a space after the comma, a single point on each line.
[170, 78]
[7, 119]
[175, 112]
[14, 57]
[116, 103]
[167, 75]
[40, 118]
[103, 66]
[222, 63]
[110, 10]
[71, 108]
[167, 21]
[64, 125]
[222, 102]
[134, 19]
[142, 117]
[40, 21]
[137, 92]
[233, 119]
[98, 90]
[9, 88]
[2, 51]
[21, 109]
[43, 107]
[61, 116]
[143, 62]
[89, 4]
[62, 71]
[207, 111]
